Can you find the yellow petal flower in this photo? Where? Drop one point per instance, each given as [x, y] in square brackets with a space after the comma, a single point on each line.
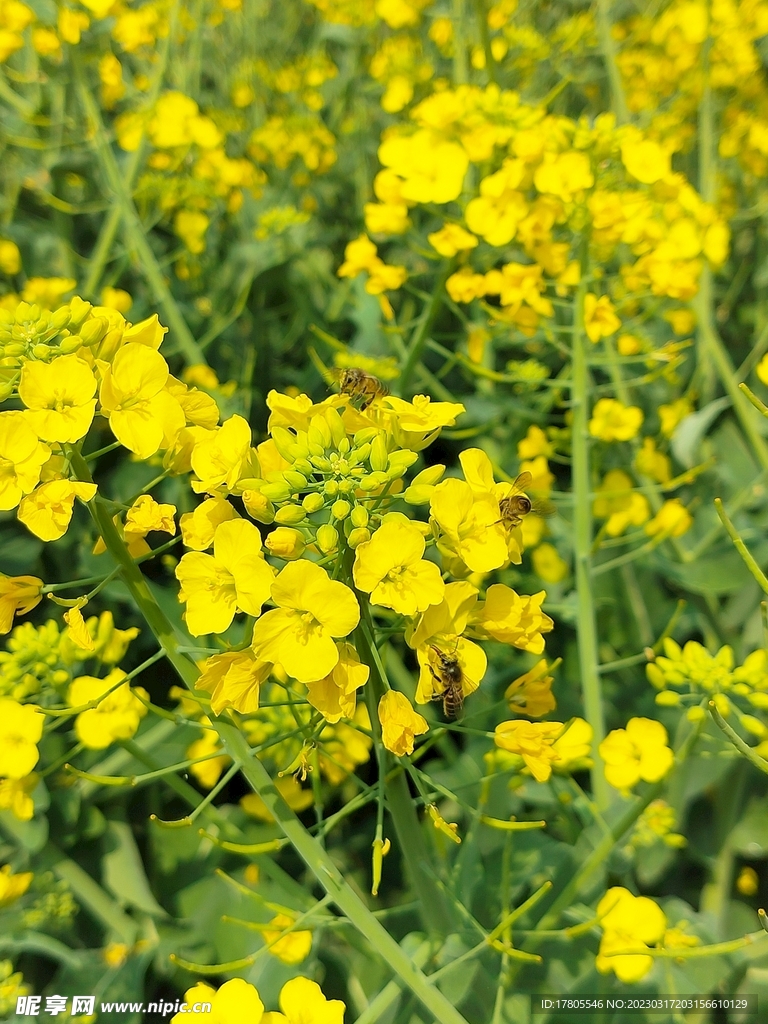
[18, 595]
[59, 397]
[116, 717]
[390, 568]
[198, 528]
[399, 723]
[21, 728]
[302, 1001]
[22, 457]
[335, 695]
[47, 511]
[312, 610]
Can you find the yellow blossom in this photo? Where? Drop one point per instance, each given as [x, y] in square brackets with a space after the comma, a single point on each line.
[21, 728]
[10, 257]
[233, 680]
[391, 568]
[619, 504]
[672, 520]
[418, 422]
[18, 595]
[116, 298]
[628, 922]
[141, 413]
[600, 320]
[433, 169]
[22, 457]
[672, 414]
[564, 174]
[77, 631]
[47, 511]
[532, 741]
[293, 947]
[450, 239]
[440, 629]
[645, 160]
[534, 443]
[116, 717]
[399, 723]
[12, 885]
[511, 619]
[613, 421]
[531, 694]
[312, 610]
[302, 1002]
[651, 462]
[208, 769]
[15, 796]
[548, 565]
[198, 528]
[639, 752]
[335, 695]
[236, 1002]
[223, 456]
[234, 578]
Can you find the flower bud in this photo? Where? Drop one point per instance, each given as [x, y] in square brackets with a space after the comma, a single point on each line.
[285, 543]
[285, 442]
[290, 515]
[668, 698]
[359, 516]
[276, 491]
[340, 509]
[41, 351]
[258, 506]
[327, 538]
[94, 330]
[312, 502]
[70, 344]
[336, 425]
[319, 433]
[61, 318]
[346, 486]
[365, 436]
[399, 462]
[358, 536]
[331, 488]
[303, 466]
[296, 481]
[379, 455]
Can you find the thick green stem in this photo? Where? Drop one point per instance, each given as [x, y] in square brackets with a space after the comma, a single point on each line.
[132, 225]
[610, 52]
[586, 625]
[235, 744]
[433, 906]
[421, 334]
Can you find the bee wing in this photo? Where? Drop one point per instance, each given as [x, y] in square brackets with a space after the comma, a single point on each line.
[523, 481]
[543, 508]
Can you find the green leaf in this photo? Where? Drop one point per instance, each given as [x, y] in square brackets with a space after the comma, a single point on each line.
[123, 871]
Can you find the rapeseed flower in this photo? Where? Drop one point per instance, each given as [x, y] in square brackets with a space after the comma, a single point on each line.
[233, 680]
[312, 610]
[22, 457]
[18, 595]
[115, 717]
[613, 421]
[511, 619]
[21, 728]
[391, 568]
[47, 511]
[334, 696]
[639, 752]
[234, 578]
[59, 397]
[672, 520]
[600, 320]
[236, 1002]
[619, 504]
[400, 724]
[628, 922]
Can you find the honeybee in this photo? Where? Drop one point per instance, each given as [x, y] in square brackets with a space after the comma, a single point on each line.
[517, 505]
[450, 675]
[361, 385]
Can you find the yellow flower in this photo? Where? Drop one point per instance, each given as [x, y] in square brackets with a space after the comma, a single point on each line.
[223, 456]
[13, 886]
[564, 174]
[548, 565]
[470, 526]
[15, 796]
[234, 578]
[390, 568]
[672, 414]
[653, 463]
[614, 421]
[629, 922]
[450, 239]
[638, 752]
[335, 695]
[497, 211]
[302, 1002]
[312, 609]
[511, 619]
[191, 226]
[531, 693]
[236, 1002]
[399, 723]
[58, 396]
[233, 680]
[18, 595]
[762, 369]
[617, 502]
[208, 769]
[47, 511]
[672, 520]
[77, 631]
[532, 741]
[440, 629]
[600, 320]
[10, 257]
[386, 218]
[534, 443]
[433, 169]
[22, 457]
[645, 160]
[573, 746]
[116, 717]
[141, 413]
[417, 423]
[21, 727]
[359, 255]
[198, 528]
[292, 948]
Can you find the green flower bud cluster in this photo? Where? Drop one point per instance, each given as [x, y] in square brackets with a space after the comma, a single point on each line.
[54, 907]
[11, 987]
[331, 475]
[36, 660]
[30, 332]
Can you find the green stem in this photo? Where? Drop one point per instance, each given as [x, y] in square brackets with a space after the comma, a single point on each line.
[92, 896]
[133, 227]
[235, 744]
[435, 912]
[610, 51]
[741, 547]
[423, 328]
[586, 625]
[737, 741]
